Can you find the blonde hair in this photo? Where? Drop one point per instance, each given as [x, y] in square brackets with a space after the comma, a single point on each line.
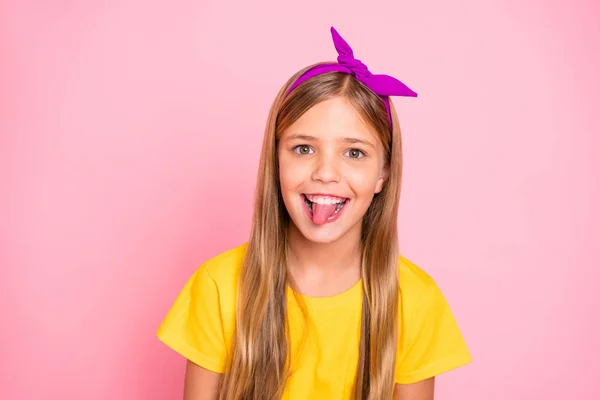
[259, 363]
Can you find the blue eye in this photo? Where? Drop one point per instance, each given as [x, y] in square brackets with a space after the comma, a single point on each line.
[302, 149]
[355, 153]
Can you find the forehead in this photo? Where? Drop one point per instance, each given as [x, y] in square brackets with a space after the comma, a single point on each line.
[330, 119]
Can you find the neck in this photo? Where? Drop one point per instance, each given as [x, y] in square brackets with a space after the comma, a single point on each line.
[340, 257]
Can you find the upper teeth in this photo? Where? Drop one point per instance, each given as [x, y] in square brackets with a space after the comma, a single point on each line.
[325, 199]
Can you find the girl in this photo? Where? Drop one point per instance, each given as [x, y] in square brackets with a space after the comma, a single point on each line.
[318, 304]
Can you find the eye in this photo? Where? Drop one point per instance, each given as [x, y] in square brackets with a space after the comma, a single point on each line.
[302, 149]
[355, 153]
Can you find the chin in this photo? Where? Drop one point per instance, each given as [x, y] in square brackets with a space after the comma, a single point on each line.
[320, 237]
[323, 234]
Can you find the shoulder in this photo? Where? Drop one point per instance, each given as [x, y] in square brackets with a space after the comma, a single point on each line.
[214, 285]
[225, 266]
[220, 274]
[200, 323]
[414, 281]
[430, 341]
[420, 294]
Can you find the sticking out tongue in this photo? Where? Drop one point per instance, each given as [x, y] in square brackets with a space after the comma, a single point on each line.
[320, 212]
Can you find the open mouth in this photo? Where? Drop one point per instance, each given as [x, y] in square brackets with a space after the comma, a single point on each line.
[340, 203]
[322, 209]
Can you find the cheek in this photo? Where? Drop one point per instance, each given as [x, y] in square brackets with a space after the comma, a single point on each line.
[363, 182]
[289, 174]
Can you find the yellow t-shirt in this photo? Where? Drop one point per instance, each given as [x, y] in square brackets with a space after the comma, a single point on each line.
[201, 322]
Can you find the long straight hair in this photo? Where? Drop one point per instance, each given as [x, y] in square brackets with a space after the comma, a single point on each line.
[258, 367]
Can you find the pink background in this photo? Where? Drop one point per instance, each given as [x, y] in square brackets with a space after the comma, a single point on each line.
[129, 141]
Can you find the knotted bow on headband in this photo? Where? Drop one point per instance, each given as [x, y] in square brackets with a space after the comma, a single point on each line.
[382, 85]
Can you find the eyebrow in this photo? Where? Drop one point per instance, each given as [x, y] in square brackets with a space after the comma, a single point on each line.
[309, 138]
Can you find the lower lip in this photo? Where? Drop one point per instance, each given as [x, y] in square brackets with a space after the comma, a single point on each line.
[333, 218]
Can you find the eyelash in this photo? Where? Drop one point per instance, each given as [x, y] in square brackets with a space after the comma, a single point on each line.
[363, 154]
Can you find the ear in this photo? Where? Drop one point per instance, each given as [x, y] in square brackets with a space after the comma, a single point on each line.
[385, 174]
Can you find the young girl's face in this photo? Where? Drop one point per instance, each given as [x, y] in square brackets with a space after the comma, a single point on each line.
[331, 164]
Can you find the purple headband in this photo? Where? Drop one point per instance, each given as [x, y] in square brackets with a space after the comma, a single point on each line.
[382, 85]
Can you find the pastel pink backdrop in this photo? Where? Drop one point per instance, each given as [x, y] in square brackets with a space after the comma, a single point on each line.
[130, 137]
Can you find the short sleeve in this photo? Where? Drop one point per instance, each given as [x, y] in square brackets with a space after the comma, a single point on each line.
[193, 326]
[431, 342]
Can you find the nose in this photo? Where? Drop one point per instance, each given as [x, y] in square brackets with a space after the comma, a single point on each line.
[326, 168]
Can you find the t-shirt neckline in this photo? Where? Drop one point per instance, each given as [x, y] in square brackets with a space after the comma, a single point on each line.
[330, 301]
